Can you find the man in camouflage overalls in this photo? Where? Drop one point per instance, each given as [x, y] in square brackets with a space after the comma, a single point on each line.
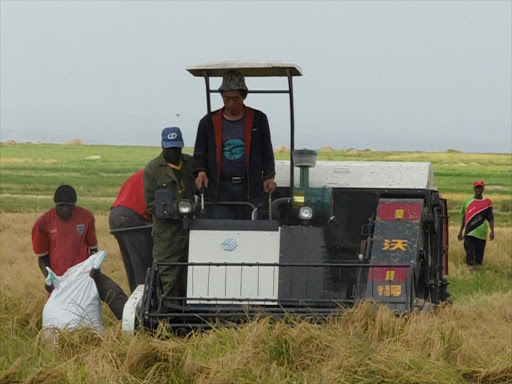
[169, 177]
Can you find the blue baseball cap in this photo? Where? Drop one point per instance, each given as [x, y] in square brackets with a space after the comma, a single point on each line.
[172, 138]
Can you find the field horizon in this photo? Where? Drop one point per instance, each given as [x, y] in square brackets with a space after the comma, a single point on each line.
[277, 148]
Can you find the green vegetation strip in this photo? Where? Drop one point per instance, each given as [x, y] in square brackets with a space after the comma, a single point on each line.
[29, 173]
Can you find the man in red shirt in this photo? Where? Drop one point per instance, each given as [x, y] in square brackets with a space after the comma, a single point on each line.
[130, 223]
[65, 236]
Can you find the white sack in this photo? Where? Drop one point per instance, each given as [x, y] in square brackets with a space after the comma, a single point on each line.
[75, 301]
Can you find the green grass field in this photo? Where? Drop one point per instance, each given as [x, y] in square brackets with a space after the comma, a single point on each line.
[29, 174]
[468, 341]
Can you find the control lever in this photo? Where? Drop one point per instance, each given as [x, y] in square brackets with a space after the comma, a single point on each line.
[202, 212]
[270, 206]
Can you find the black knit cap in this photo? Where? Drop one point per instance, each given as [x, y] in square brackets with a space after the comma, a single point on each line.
[65, 194]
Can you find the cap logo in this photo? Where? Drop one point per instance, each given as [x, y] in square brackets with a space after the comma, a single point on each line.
[172, 135]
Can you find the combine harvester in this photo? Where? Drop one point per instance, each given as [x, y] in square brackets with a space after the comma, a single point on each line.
[334, 233]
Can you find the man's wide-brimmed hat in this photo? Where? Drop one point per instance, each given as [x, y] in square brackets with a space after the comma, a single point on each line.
[233, 81]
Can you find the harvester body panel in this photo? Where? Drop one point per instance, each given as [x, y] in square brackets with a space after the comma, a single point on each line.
[216, 243]
[363, 174]
[397, 239]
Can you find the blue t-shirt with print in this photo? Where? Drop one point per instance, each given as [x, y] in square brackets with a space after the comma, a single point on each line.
[233, 148]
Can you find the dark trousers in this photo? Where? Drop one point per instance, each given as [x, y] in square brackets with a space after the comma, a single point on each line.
[136, 246]
[474, 250]
[110, 293]
[171, 245]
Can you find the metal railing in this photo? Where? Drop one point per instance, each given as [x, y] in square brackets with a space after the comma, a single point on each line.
[303, 289]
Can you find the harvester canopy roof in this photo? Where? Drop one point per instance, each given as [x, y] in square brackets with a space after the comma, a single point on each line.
[248, 68]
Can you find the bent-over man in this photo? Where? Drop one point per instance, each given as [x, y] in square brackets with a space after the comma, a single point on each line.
[127, 219]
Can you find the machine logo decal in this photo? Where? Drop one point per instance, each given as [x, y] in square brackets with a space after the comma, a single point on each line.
[394, 244]
[228, 244]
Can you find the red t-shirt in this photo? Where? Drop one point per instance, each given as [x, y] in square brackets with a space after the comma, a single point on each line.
[67, 242]
[131, 195]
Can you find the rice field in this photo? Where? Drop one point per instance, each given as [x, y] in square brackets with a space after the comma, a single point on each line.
[466, 341]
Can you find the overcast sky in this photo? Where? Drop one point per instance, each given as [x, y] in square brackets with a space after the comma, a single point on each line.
[385, 75]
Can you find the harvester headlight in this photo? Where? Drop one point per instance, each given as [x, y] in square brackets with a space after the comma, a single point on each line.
[305, 213]
[184, 207]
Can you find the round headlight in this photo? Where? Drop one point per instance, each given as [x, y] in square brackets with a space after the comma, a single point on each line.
[184, 207]
[305, 213]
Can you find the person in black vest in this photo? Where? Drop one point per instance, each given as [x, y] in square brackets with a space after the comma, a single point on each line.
[233, 153]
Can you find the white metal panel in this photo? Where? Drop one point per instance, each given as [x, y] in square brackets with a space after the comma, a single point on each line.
[233, 282]
[248, 68]
[362, 174]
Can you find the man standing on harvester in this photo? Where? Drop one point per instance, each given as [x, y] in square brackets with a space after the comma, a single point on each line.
[167, 179]
[233, 154]
[476, 211]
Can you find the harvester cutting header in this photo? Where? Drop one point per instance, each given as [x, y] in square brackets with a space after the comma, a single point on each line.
[329, 234]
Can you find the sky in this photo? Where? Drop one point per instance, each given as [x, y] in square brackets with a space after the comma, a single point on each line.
[383, 75]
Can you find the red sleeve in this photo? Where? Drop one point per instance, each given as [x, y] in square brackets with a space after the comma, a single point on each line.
[92, 242]
[40, 238]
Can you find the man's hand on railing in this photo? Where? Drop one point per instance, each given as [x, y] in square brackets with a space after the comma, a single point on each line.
[269, 185]
[201, 180]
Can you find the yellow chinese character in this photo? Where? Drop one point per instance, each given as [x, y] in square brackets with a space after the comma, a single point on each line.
[394, 244]
[390, 275]
[396, 290]
[389, 290]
